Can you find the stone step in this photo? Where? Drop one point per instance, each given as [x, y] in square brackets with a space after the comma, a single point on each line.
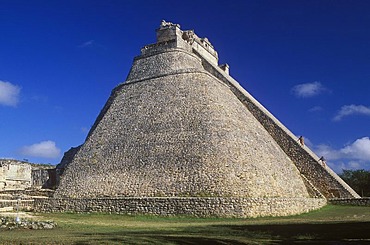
[15, 203]
[28, 192]
[315, 190]
[15, 198]
[6, 209]
[5, 197]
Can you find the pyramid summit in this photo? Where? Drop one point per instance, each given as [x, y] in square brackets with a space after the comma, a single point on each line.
[181, 136]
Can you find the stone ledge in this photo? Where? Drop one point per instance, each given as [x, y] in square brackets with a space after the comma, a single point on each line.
[365, 201]
[22, 204]
[193, 206]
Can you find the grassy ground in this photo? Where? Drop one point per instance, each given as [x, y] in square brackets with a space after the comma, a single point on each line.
[330, 225]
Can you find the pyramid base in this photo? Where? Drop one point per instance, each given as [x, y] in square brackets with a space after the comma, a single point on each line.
[192, 206]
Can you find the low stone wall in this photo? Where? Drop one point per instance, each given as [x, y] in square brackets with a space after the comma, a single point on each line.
[365, 201]
[29, 192]
[194, 206]
[22, 204]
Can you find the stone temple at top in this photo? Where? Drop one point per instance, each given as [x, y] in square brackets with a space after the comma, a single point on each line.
[181, 135]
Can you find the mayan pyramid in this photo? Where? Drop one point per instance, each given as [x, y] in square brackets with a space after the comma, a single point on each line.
[181, 126]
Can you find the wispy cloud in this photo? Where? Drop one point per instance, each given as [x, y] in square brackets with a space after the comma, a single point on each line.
[353, 156]
[44, 149]
[316, 109]
[9, 94]
[328, 152]
[87, 44]
[306, 90]
[348, 110]
[92, 44]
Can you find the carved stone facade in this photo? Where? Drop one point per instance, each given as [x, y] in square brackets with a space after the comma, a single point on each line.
[20, 175]
[14, 175]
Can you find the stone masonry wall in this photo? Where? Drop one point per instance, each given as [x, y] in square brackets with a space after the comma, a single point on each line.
[175, 140]
[308, 166]
[39, 177]
[14, 174]
[183, 135]
[20, 175]
[201, 207]
[159, 64]
[21, 204]
[323, 178]
[364, 201]
[179, 133]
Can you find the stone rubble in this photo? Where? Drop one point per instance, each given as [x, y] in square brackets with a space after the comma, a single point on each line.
[10, 223]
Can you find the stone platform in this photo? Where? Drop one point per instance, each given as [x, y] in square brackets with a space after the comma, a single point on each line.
[193, 206]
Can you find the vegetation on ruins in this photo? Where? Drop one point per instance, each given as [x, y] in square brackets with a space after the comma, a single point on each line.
[359, 180]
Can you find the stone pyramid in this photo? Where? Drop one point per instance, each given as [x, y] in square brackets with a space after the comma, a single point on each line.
[181, 126]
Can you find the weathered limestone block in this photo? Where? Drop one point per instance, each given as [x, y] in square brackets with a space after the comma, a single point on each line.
[14, 174]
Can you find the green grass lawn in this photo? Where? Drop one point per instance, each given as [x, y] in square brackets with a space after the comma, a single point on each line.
[330, 225]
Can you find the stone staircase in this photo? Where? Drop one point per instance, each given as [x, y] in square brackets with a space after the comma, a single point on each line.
[13, 200]
[336, 177]
[10, 203]
[286, 139]
[313, 191]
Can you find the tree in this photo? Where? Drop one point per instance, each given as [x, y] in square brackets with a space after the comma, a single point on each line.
[359, 180]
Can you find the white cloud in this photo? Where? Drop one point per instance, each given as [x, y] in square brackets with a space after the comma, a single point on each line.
[9, 94]
[354, 165]
[306, 90]
[328, 152]
[353, 156]
[348, 110]
[44, 149]
[360, 149]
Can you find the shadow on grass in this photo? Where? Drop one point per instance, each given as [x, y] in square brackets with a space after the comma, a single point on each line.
[332, 233]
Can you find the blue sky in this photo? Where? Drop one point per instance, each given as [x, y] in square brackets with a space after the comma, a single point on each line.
[307, 62]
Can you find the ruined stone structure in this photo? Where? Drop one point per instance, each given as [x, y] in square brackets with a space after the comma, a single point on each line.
[20, 182]
[21, 175]
[40, 174]
[14, 175]
[181, 136]
[54, 174]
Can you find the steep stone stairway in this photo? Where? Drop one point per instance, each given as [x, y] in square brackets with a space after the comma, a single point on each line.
[325, 180]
